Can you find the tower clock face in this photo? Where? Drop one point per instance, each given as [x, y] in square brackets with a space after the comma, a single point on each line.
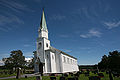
[39, 45]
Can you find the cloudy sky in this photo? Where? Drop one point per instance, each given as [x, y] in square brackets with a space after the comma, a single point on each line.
[86, 29]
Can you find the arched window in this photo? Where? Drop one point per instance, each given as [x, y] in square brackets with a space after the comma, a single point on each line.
[68, 60]
[71, 61]
[46, 44]
[52, 56]
[47, 57]
[40, 45]
[64, 59]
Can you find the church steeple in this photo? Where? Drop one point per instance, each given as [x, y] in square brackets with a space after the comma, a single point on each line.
[43, 31]
[43, 25]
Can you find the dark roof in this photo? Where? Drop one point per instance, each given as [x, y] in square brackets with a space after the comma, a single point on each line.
[54, 50]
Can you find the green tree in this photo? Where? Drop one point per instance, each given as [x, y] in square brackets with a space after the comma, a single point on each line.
[16, 59]
[112, 61]
[104, 63]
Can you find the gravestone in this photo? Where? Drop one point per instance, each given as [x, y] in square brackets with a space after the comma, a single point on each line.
[66, 75]
[52, 74]
[71, 78]
[62, 78]
[107, 72]
[52, 78]
[101, 75]
[38, 78]
[18, 73]
[115, 74]
[25, 76]
[94, 78]
[77, 74]
[76, 78]
[110, 76]
[86, 74]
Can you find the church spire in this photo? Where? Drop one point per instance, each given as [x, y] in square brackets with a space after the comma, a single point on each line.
[43, 31]
[43, 25]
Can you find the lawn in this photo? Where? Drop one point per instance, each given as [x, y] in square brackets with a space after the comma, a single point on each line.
[82, 77]
[2, 73]
[7, 75]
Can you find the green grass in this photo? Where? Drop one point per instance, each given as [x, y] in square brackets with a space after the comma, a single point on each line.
[82, 77]
[6, 75]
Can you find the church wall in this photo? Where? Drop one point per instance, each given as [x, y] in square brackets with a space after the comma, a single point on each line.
[48, 62]
[69, 64]
[58, 62]
[53, 62]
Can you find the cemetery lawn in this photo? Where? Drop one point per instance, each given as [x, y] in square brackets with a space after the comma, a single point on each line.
[6, 75]
[82, 77]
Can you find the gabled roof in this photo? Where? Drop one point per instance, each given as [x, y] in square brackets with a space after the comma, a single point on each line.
[54, 50]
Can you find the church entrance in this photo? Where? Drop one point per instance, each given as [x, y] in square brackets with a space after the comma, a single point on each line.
[41, 68]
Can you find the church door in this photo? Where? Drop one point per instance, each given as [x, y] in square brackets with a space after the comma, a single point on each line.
[41, 68]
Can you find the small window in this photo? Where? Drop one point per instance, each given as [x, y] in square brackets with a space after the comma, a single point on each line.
[71, 61]
[46, 44]
[47, 56]
[52, 56]
[64, 59]
[68, 60]
[40, 45]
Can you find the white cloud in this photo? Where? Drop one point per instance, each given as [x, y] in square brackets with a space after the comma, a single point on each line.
[3, 29]
[1, 63]
[6, 20]
[111, 25]
[26, 45]
[64, 36]
[57, 17]
[28, 54]
[9, 20]
[91, 33]
[15, 6]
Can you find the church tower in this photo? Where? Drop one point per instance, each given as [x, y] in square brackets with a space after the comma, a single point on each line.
[42, 42]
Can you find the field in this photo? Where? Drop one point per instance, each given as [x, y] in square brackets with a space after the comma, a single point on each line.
[82, 77]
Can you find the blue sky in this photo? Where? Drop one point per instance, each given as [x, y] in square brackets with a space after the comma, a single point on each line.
[86, 29]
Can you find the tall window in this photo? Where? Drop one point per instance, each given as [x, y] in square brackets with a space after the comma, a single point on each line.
[47, 57]
[68, 60]
[52, 56]
[64, 59]
[46, 44]
[71, 61]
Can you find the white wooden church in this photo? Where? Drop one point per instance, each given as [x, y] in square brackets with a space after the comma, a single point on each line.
[49, 59]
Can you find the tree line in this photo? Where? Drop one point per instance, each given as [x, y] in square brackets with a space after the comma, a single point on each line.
[110, 62]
